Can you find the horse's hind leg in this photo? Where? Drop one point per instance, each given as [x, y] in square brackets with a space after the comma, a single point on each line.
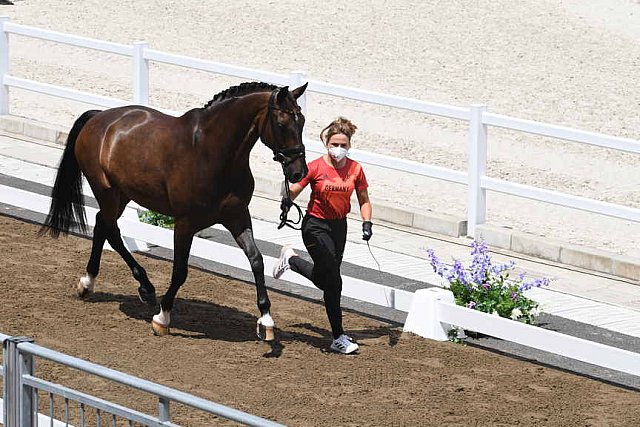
[112, 204]
[87, 282]
[242, 232]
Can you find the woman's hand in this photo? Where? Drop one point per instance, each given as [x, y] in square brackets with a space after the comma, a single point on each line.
[367, 232]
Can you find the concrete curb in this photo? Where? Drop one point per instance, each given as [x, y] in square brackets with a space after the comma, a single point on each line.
[447, 225]
[563, 253]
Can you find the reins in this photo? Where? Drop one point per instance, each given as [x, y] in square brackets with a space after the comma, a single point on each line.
[284, 211]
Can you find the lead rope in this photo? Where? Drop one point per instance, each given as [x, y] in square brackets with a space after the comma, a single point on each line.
[374, 258]
[379, 271]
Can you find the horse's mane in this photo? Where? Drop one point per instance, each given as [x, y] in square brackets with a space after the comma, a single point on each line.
[240, 90]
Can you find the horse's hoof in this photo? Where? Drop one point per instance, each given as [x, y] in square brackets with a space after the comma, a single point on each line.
[84, 287]
[147, 297]
[264, 328]
[158, 329]
[265, 333]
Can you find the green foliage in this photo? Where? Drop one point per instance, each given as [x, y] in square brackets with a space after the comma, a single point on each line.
[158, 219]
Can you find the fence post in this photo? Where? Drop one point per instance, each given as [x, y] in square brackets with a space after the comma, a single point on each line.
[16, 398]
[477, 202]
[4, 66]
[140, 74]
[422, 318]
[163, 409]
[131, 212]
[28, 410]
[297, 79]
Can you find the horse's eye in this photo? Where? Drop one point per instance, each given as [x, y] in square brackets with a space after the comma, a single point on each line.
[281, 126]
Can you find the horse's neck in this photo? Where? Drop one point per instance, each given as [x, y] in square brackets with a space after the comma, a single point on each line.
[234, 126]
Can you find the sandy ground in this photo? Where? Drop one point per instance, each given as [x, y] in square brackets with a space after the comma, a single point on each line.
[557, 61]
[396, 380]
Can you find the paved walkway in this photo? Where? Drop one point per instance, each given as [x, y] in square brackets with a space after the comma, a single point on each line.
[592, 298]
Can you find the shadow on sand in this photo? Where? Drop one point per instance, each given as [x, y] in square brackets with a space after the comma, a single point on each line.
[198, 319]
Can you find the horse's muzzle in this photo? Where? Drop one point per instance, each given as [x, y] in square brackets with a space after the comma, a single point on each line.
[296, 175]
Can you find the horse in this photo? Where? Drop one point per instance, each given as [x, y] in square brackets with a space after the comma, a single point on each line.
[194, 168]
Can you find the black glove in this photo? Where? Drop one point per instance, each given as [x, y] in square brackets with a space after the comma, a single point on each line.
[367, 232]
[285, 204]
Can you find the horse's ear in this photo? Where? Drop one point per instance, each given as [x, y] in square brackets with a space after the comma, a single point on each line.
[282, 95]
[297, 92]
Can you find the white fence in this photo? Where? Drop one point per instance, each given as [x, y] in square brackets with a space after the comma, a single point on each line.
[430, 311]
[477, 116]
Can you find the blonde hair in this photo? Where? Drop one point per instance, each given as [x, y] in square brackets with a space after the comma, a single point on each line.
[340, 125]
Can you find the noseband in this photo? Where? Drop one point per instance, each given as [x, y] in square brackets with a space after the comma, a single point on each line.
[284, 156]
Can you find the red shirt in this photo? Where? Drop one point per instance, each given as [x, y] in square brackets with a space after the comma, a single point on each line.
[331, 188]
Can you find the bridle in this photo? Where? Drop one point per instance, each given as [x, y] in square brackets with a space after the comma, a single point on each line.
[284, 156]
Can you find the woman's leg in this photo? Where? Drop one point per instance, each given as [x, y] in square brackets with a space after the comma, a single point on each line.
[312, 231]
[321, 245]
[333, 278]
[301, 266]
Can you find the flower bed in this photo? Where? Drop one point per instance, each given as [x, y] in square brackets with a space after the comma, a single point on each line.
[487, 287]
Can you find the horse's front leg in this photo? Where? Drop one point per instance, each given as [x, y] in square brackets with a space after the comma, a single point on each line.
[242, 232]
[182, 239]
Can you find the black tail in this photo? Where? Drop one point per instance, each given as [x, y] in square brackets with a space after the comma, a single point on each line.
[67, 201]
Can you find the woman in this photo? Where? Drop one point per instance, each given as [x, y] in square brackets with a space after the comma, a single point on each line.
[333, 178]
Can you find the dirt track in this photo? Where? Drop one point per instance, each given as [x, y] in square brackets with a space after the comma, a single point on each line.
[395, 380]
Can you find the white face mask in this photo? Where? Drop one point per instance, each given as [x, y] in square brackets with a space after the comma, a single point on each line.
[338, 153]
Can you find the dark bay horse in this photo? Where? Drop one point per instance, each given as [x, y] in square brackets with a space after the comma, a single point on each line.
[194, 168]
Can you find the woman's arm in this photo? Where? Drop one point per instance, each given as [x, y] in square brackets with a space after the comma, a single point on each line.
[365, 204]
[295, 190]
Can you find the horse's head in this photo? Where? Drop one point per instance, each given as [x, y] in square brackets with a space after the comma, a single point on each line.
[282, 132]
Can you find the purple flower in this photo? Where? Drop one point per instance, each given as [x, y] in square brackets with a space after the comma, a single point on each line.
[497, 269]
[514, 296]
[472, 304]
[481, 261]
[438, 267]
[536, 283]
[479, 247]
[460, 273]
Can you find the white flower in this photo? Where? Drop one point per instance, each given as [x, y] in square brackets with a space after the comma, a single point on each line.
[516, 313]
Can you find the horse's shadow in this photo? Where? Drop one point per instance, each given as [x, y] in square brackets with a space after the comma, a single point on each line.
[199, 319]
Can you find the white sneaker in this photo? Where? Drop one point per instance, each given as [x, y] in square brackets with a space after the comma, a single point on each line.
[283, 262]
[343, 345]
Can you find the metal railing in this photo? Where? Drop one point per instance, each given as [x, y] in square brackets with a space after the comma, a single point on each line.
[21, 386]
[477, 116]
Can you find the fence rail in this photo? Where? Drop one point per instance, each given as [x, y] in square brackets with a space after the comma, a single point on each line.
[477, 116]
[433, 313]
[378, 98]
[562, 132]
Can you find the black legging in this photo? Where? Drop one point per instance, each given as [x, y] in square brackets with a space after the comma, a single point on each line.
[324, 240]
